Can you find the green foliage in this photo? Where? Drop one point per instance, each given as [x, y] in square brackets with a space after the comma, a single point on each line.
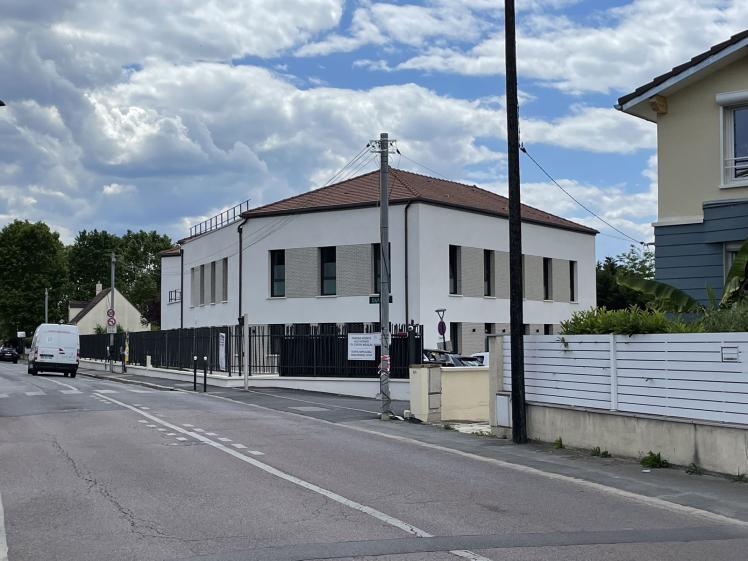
[693, 469]
[655, 461]
[558, 443]
[89, 262]
[638, 262]
[662, 296]
[101, 330]
[735, 282]
[634, 263]
[725, 320]
[33, 259]
[596, 452]
[599, 321]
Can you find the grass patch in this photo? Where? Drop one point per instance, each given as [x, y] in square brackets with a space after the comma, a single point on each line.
[693, 469]
[558, 443]
[596, 452]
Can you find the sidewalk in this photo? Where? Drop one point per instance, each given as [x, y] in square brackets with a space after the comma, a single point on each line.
[714, 494]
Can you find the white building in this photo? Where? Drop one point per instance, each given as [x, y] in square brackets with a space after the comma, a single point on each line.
[89, 315]
[310, 259]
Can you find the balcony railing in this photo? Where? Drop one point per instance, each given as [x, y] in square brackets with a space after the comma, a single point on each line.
[175, 296]
[220, 220]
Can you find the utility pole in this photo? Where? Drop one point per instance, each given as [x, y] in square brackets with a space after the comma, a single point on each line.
[383, 147]
[111, 305]
[519, 425]
[46, 305]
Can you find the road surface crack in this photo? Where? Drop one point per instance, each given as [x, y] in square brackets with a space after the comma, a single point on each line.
[138, 526]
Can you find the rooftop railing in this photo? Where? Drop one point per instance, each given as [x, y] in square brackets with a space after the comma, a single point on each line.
[220, 220]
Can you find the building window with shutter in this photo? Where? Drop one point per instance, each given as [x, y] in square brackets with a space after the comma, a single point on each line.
[277, 273]
[488, 273]
[328, 271]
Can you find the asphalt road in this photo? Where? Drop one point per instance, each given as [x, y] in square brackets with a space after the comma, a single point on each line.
[93, 469]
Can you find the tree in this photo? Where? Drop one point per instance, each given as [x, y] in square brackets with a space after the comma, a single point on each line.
[140, 271]
[33, 259]
[89, 262]
[634, 263]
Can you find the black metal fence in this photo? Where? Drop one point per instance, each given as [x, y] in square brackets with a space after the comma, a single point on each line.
[286, 350]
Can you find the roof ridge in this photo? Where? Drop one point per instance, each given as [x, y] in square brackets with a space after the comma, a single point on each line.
[91, 304]
[317, 190]
[416, 194]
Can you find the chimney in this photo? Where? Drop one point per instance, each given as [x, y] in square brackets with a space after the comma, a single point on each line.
[98, 288]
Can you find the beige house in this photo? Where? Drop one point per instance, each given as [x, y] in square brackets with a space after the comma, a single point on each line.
[701, 111]
[87, 315]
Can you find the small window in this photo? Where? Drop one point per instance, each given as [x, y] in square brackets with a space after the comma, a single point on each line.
[731, 252]
[213, 282]
[736, 145]
[488, 273]
[547, 329]
[377, 266]
[547, 278]
[489, 329]
[327, 271]
[573, 281]
[454, 336]
[202, 285]
[277, 273]
[225, 280]
[454, 269]
[194, 286]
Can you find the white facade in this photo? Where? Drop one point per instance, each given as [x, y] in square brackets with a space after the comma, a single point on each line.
[431, 230]
[128, 316]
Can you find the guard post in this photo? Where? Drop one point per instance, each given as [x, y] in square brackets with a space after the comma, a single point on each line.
[205, 374]
[194, 373]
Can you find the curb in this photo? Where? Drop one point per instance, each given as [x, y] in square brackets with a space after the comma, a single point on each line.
[125, 381]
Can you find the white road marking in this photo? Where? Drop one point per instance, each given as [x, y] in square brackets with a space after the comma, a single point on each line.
[211, 433]
[171, 434]
[181, 438]
[106, 391]
[225, 439]
[3, 538]
[68, 392]
[151, 426]
[309, 409]
[161, 430]
[139, 391]
[188, 425]
[144, 407]
[256, 453]
[379, 515]
[238, 446]
[2, 395]
[614, 491]
[35, 393]
[199, 430]
[59, 383]
[142, 421]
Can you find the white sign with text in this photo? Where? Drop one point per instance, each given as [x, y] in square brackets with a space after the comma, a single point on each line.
[362, 346]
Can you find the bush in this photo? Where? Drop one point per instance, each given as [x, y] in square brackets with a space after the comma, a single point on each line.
[724, 320]
[631, 321]
[653, 460]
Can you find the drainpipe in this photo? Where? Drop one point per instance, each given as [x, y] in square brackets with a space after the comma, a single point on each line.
[181, 287]
[239, 229]
[407, 311]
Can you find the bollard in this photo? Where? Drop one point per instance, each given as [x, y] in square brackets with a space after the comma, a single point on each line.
[205, 374]
[194, 373]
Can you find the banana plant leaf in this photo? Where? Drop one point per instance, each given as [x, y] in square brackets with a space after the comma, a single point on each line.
[666, 297]
[736, 276]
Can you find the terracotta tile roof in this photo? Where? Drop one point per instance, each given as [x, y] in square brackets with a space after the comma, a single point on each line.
[171, 252]
[89, 306]
[683, 67]
[406, 186]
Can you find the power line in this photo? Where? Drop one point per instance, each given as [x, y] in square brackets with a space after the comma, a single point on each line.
[593, 213]
[425, 167]
[359, 168]
[351, 162]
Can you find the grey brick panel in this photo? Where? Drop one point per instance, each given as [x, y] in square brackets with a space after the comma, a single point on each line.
[302, 272]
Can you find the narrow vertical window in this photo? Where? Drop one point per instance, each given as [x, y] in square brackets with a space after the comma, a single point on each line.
[573, 281]
[202, 285]
[547, 276]
[488, 329]
[194, 286]
[213, 282]
[277, 273]
[454, 269]
[454, 336]
[225, 280]
[488, 273]
[327, 271]
[547, 329]
[377, 267]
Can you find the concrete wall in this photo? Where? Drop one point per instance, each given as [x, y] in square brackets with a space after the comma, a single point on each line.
[170, 279]
[464, 395]
[713, 447]
[688, 144]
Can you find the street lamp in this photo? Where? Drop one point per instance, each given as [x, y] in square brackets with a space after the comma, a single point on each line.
[441, 326]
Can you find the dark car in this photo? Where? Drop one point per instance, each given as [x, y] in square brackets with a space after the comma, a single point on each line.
[9, 354]
[448, 359]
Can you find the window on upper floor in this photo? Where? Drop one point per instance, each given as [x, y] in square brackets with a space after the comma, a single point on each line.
[547, 278]
[225, 279]
[455, 284]
[213, 282]
[488, 273]
[735, 144]
[377, 267]
[277, 273]
[572, 281]
[327, 268]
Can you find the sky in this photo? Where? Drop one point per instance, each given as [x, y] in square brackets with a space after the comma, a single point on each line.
[135, 114]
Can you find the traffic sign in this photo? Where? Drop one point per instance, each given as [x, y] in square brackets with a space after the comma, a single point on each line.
[442, 327]
[111, 321]
[110, 313]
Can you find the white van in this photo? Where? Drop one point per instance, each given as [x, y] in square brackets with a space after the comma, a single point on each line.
[55, 348]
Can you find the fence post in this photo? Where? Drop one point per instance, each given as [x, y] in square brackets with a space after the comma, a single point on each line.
[613, 374]
[194, 373]
[245, 352]
[205, 374]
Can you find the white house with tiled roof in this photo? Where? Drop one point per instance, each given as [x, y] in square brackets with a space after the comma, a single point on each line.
[310, 259]
[89, 315]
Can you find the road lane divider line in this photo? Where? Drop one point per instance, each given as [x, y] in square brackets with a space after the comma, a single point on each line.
[3, 537]
[655, 502]
[58, 382]
[374, 513]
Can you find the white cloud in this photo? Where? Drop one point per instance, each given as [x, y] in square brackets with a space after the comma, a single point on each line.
[117, 189]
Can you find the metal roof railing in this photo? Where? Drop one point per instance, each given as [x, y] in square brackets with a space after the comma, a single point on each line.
[220, 220]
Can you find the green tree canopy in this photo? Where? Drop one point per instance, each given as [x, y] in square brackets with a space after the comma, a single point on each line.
[33, 259]
[140, 271]
[634, 263]
[89, 262]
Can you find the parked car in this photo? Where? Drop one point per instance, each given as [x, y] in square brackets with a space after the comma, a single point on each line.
[9, 354]
[55, 348]
[448, 359]
[482, 357]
